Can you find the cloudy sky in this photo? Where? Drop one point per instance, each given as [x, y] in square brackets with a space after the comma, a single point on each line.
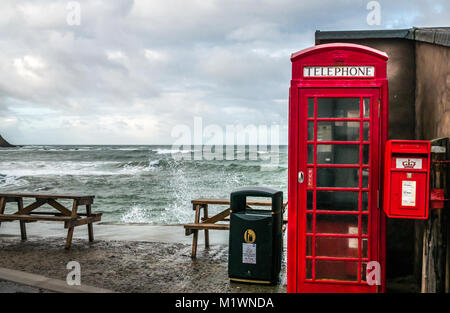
[133, 70]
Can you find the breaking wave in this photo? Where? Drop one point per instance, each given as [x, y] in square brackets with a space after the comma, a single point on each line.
[134, 184]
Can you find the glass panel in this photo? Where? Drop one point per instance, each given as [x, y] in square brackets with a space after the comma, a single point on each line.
[337, 200]
[364, 224]
[310, 199]
[338, 107]
[364, 271]
[309, 223]
[337, 224]
[365, 154]
[365, 248]
[310, 107]
[365, 177]
[337, 131]
[366, 132]
[365, 201]
[337, 270]
[310, 131]
[337, 177]
[366, 107]
[310, 154]
[309, 269]
[337, 154]
[337, 247]
[309, 241]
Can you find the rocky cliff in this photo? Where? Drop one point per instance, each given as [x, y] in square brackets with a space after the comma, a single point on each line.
[4, 143]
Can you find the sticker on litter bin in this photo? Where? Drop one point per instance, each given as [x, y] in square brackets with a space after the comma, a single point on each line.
[408, 193]
[249, 253]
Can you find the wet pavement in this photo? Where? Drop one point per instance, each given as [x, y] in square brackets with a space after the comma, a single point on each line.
[130, 266]
[10, 287]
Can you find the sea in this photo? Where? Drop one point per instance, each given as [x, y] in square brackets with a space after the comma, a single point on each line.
[142, 184]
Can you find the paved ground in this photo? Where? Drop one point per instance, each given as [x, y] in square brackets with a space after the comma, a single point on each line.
[10, 287]
[129, 266]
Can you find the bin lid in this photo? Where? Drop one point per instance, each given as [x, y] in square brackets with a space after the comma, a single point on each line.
[238, 197]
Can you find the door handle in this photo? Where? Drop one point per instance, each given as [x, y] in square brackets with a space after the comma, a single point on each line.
[301, 177]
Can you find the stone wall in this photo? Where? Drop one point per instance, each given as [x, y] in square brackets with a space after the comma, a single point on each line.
[432, 91]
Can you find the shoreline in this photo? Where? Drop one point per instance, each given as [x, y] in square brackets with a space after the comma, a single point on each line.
[173, 233]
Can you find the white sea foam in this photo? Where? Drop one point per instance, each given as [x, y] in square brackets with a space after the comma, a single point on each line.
[136, 214]
[12, 181]
[62, 168]
[171, 151]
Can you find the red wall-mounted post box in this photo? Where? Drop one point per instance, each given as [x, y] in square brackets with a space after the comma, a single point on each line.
[407, 179]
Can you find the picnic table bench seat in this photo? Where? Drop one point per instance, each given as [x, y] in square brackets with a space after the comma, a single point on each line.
[207, 223]
[70, 217]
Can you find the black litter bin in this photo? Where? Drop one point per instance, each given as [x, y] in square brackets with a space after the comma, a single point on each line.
[256, 240]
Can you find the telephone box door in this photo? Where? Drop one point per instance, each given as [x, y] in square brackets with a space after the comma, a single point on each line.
[338, 160]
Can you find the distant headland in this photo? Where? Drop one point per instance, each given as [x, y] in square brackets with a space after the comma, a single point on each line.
[5, 144]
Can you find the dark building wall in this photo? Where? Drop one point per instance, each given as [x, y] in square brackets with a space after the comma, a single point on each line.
[432, 91]
[401, 76]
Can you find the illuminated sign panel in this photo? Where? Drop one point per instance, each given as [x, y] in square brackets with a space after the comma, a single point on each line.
[339, 71]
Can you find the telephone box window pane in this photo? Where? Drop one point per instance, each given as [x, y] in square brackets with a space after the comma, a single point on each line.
[309, 245]
[337, 200]
[366, 107]
[337, 154]
[309, 269]
[365, 177]
[311, 107]
[311, 131]
[337, 224]
[338, 107]
[337, 131]
[337, 270]
[309, 223]
[364, 271]
[366, 132]
[364, 248]
[364, 224]
[337, 177]
[310, 154]
[310, 199]
[337, 247]
[365, 201]
[365, 154]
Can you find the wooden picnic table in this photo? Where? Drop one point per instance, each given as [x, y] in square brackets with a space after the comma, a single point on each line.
[71, 217]
[207, 223]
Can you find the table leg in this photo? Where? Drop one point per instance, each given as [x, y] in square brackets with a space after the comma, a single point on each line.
[23, 227]
[195, 238]
[205, 215]
[71, 229]
[90, 226]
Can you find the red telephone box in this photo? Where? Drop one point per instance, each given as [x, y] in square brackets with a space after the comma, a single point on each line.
[338, 127]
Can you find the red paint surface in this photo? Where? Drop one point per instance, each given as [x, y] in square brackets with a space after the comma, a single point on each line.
[394, 177]
[321, 253]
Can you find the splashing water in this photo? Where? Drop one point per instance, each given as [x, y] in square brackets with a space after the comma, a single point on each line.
[134, 184]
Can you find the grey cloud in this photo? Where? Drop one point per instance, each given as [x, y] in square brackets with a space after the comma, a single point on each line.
[144, 66]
